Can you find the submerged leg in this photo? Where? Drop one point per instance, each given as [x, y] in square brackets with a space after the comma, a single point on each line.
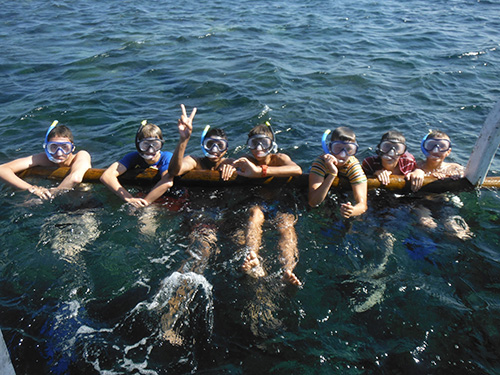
[288, 246]
[203, 243]
[425, 217]
[253, 240]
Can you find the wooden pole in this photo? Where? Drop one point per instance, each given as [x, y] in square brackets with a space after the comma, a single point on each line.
[484, 151]
[212, 178]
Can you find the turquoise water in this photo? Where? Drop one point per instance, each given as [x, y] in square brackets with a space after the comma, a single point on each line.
[85, 280]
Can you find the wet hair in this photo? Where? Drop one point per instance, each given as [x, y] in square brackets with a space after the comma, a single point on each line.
[148, 131]
[438, 134]
[261, 129]
[61, 131]
[216, 132]
[393, 135]
[344, 134]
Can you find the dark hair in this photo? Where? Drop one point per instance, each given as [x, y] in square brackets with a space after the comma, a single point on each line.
[261, 129]
[60, 131]
[344, 134]
[216, 132]
[393, 135]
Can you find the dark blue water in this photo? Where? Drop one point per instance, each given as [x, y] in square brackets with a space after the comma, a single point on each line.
[86, 281]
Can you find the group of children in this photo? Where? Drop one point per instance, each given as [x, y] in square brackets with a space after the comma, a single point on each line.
[263, 161]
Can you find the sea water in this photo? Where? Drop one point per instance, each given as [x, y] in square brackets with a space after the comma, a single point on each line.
[81, 277]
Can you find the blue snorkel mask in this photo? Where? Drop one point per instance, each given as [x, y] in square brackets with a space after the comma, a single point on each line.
[52, 148]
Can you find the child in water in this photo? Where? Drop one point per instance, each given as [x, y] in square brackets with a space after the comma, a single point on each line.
[436, 146]
[148, 142]
[59, 152]
[339, 160]
[213, 144]
[263, 162]
[394, 159]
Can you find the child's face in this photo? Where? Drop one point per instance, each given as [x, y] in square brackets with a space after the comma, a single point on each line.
[215, 147]
[343, 150]
[149, 148]
[59, 148]
[390, 151]
[260, 145]
[438, 148]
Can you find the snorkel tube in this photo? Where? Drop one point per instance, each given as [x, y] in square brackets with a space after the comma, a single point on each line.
[143, 123]
[323, 141]
[49, 156]
[274, 147]
[203, 135]
[426, 153]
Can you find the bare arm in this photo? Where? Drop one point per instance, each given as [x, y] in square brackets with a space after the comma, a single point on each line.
[185, 125]
[281, 166]
[160, 188]
[110, 179]
[360, 192]
[80, 165]
[8, 174]
[318, 185]
[318, 188]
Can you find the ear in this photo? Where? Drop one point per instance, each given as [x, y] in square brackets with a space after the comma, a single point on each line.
[447, 153]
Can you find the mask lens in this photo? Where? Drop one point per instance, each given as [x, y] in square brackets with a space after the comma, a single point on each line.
[349, 148]
[65, 147]
[398, 147]
[264, 142]
[442, 144]
[154, 143]
[210, 143]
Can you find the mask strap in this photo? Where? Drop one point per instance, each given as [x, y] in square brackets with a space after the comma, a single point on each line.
[323, 141]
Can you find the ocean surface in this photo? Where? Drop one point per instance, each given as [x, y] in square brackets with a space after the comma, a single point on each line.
[89, 285]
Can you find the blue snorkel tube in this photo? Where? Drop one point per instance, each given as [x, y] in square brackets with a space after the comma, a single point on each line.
[49, 156]
[324, 143]
[426, 153]
[203, 135]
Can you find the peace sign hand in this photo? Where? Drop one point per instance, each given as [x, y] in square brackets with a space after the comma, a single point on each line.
[185, 123]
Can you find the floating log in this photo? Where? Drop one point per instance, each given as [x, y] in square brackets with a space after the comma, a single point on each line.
[212, 178]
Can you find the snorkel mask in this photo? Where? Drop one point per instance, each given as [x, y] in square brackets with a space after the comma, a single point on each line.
[429, 144]
[336, 147]
[212, 147]
[391, 147]
[266, 144]
[145, 144]
[52, 148]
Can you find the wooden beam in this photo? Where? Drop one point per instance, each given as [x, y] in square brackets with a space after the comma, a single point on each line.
[212, 178]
